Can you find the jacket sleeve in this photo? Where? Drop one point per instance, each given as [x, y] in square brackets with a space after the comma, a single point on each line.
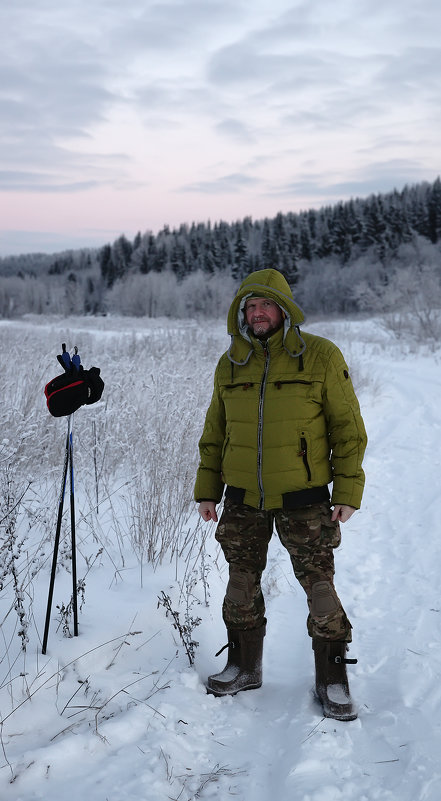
[346, 431]
[209, 483]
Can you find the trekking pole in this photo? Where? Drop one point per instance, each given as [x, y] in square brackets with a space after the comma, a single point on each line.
[57, 534]
[76, 362]
[74, 547]
[64, 395]
[68, 364]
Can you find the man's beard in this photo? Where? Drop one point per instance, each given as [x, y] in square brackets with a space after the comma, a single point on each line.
[265, 332]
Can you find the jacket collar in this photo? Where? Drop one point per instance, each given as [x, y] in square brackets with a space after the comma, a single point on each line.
[241, 347]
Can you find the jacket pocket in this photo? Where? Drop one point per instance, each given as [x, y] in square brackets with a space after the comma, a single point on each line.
[292, 381]
[244, 385]
[304, 454]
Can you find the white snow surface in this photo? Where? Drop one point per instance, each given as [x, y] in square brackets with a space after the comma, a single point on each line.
[118, 714]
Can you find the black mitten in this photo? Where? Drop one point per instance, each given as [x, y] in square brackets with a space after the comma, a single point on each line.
[95, 384]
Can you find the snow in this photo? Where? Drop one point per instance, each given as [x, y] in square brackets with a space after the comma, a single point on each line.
[119, 714]
[228, 674]
[337, 694]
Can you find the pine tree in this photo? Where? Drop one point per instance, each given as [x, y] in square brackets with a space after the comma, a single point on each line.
[374, 226]
[269, 248]
[434, 211]
[121, 254]
[106, 266]
[305, 242]
[240, 255]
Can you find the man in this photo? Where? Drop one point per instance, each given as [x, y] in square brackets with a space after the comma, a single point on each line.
[283, 423]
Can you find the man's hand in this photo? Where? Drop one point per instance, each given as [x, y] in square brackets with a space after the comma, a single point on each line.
[207, 510]
[342, 513]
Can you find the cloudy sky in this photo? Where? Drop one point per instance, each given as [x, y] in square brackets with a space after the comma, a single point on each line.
[124, 116]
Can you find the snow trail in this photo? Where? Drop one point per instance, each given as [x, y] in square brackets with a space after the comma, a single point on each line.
[388, 577]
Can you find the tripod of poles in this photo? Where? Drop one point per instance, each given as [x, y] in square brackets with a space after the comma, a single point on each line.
[68, 467]
[71, 366]
[64, 395]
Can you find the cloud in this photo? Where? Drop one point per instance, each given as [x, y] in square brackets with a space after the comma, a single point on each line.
[299, 47]
[11, 180]
[243, 64]
[21, 241]
[55, 87]
[236, 130]
[58, 170]
[225, 184]
[341, 109]
[171, 100]
[233, 103]
[331, 59]
[414, 70]
[382, 176]
[170, 26]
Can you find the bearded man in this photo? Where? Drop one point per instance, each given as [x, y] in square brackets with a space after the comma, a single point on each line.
[283, 424]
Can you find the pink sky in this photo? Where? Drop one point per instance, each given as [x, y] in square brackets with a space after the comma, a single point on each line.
[118, 118]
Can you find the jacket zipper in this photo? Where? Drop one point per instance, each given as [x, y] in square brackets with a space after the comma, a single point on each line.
[304, 454]
[260, 428]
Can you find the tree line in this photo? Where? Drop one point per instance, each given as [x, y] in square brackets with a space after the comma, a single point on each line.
[340, 257]
[343, 232]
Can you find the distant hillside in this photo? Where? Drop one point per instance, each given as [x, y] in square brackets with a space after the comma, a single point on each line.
[331, 256]
[345, 231]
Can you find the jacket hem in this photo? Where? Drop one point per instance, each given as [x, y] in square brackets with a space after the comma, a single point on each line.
[305, 497]
[289, 500]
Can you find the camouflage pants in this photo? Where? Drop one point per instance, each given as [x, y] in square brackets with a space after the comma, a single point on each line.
[310, 536]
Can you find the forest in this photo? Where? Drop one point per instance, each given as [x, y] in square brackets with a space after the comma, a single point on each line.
[377, 254]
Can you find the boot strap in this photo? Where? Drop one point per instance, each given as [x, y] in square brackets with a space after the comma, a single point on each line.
[340, 660]
[228, 645]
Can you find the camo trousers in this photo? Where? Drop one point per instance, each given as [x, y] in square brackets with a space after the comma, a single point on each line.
[310, 536]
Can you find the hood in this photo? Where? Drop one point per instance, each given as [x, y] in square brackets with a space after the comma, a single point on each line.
[268, 284]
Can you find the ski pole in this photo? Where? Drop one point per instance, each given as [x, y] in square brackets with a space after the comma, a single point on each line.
[57, 535]
[76, 362]
[73, 368]
[74, 548]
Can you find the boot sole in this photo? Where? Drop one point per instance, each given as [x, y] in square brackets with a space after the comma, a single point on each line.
[221, 694]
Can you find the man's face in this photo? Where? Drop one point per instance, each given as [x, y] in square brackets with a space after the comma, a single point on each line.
[263, 316]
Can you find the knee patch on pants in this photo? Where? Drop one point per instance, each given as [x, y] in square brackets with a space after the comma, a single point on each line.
[324, 599]
[240, 589]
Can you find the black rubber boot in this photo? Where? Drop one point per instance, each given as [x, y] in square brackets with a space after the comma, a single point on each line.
[243, 670]
[331, 683]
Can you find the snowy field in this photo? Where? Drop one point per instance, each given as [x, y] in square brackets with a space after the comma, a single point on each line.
[119, 713]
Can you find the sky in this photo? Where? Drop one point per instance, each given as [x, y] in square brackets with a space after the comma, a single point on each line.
[124, 117]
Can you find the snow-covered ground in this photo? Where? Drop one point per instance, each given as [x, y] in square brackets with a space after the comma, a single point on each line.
[118, 714]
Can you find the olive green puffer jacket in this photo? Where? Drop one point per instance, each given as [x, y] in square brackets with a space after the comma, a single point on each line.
[284, 421]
